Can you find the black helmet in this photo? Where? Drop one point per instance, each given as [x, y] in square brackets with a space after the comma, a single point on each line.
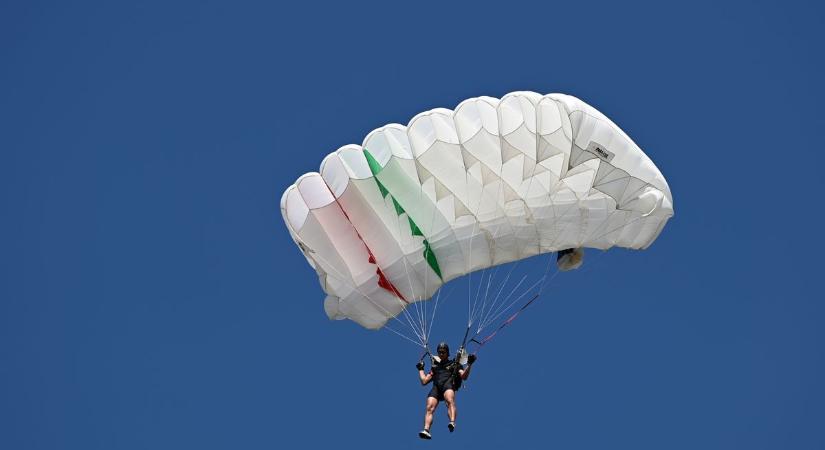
[443, 346]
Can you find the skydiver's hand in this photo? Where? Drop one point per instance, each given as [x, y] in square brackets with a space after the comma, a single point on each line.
[471, 358]
[420, 365]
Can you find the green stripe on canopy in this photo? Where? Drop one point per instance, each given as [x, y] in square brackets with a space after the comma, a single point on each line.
[429, 255]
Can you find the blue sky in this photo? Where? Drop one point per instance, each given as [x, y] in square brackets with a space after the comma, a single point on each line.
[150, 296]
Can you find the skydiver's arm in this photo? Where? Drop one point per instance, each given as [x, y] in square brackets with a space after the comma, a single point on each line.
[425, 378]
[465, 372]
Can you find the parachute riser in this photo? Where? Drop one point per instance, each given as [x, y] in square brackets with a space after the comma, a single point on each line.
[426, 352]
[507, 322]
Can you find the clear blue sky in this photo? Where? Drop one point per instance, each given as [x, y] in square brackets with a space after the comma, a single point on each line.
[151, 298]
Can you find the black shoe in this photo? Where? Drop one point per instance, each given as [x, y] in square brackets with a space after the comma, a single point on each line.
[451, 426]
[425, 434]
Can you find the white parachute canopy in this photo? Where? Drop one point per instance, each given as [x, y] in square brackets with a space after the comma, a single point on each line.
[386, 223]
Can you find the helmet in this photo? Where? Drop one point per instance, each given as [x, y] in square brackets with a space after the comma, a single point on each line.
[443, 346]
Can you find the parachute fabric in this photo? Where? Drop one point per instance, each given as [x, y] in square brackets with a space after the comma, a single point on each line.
[387, 223]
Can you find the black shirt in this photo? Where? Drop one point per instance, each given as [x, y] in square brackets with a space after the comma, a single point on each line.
[444, 371]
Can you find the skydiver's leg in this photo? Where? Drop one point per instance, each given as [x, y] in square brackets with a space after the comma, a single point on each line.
[432, 403]
[449, 397]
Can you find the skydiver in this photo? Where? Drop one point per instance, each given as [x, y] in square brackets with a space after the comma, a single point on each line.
[446, 375]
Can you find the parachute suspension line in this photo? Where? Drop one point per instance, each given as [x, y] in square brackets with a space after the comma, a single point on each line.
[477, 222]
[426, 274]
[492, 315]
[510, 319]
[478, 307]
[472, 308]
[487, 321]
[415, 302]
[472, 305]
[494, 311]
[546, 271]
[487, 289]
[472, 313]
[379, 272]
[438, 297]
[406, 314]
[543, 282]
[489, 273]
[490, 318]
[503, 325]
[475, 301]
[429, 257]
[420, 306]
[464, 341]
[417, 344]
[487, 305]
[426, 352]
[412, 324]
[414, 299]
[369, 299]
[488, 312]
[432, 318]
[469, 272]
[499, 310]
[417, 306]
[492, 306]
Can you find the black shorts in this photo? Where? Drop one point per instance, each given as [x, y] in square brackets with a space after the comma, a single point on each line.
[437, 392]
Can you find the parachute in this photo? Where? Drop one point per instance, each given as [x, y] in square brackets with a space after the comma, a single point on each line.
[387, 223]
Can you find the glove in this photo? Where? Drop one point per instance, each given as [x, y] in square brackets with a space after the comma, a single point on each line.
[471, 358]
[420, 365]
